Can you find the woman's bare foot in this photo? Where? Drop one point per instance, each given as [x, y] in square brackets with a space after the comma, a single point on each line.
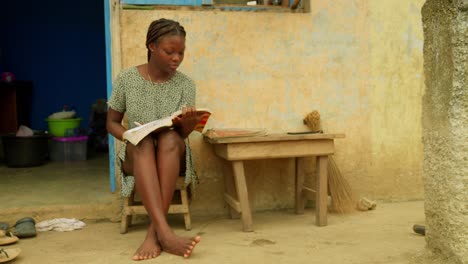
[180, 246]
[150, 248]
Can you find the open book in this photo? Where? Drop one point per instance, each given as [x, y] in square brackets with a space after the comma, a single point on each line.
[136, 134]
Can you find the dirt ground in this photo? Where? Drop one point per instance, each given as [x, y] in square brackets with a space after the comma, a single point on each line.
[381, 236]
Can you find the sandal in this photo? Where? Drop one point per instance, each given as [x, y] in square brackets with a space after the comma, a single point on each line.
[7, 238]
[25, 227]
[4, 226]
[8, 254]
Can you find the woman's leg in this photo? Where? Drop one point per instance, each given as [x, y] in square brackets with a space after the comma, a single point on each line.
[156, 193]
[150, 248]
[170, 153]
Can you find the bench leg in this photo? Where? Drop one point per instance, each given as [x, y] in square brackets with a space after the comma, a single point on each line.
[187, 219]
[126, 219]
[299, 182]
[241, 187]
[230, 187]
[124, 224]
[322, 192]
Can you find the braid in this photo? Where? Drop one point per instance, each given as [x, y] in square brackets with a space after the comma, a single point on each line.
[161, 28]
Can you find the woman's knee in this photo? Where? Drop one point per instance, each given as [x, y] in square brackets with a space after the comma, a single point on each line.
[145, 148]
[171, 141]
[146, 144]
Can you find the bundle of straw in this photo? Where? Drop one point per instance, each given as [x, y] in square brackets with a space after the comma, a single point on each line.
[342, 199]
[312, 120]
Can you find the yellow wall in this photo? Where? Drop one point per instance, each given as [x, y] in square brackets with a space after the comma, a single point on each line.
[358, 62]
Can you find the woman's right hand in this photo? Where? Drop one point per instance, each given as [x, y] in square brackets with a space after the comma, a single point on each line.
[186, 122]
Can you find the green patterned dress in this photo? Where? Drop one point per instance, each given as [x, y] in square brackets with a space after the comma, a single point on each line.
[144, 101]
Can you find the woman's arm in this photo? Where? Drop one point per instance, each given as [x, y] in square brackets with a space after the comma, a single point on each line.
[114, 124]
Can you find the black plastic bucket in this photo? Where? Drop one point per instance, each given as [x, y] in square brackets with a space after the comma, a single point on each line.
[25, 151]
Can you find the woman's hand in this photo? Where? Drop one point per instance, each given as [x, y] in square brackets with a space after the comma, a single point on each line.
[186, 122]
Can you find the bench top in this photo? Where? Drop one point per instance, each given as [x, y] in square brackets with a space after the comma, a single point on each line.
[270, 137]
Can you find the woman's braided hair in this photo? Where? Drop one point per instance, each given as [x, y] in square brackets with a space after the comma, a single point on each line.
[161, 28]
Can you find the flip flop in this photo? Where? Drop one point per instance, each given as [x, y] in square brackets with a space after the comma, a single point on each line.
[7, 238]
[25, 227]
[4, 226]
[8, 254]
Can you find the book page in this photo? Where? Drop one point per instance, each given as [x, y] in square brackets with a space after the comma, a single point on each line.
[136, 134]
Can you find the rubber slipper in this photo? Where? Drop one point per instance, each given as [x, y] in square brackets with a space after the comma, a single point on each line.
[9, 254]
[25, 227]
[4, 226]
[7, 238]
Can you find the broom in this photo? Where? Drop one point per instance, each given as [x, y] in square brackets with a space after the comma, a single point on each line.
[342, 199]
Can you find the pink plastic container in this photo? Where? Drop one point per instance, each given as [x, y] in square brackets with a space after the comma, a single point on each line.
[68, 148]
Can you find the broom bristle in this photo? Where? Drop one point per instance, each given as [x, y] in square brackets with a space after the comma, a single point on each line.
[342, 199]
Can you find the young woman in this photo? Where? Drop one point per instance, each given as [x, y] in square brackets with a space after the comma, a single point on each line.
[145, 93]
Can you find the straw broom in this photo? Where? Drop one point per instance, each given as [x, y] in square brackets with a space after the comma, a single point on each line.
[342, 199]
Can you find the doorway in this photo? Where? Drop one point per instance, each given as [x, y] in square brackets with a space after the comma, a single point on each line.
[60, 47]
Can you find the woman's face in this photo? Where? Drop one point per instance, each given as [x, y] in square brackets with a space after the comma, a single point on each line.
[169, 53]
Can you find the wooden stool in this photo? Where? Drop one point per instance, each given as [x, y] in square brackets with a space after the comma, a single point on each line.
[179, 205]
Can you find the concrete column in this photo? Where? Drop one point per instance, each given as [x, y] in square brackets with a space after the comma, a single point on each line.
[445, 128]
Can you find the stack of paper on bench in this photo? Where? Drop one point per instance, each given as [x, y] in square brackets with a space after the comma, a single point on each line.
[234, 132]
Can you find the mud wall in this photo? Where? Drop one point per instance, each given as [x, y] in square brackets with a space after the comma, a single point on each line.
[358, 62]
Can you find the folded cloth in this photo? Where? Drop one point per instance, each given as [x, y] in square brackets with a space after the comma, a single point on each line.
[24, 131]
[60, 224]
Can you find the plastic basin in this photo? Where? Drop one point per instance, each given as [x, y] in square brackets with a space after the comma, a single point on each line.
[59, 127]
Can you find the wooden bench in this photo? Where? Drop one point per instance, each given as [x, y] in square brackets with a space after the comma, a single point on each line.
[236, 150]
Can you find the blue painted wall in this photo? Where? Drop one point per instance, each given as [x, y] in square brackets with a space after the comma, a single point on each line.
[60, 46]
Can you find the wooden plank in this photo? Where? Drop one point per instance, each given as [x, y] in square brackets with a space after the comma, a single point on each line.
[275, 149]
[177, 209]
[140, 210]
[232, 202]
[242, 193]
[308, 190]
[322, 192]
[135, 210]
[180, 184]
[272, 137]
